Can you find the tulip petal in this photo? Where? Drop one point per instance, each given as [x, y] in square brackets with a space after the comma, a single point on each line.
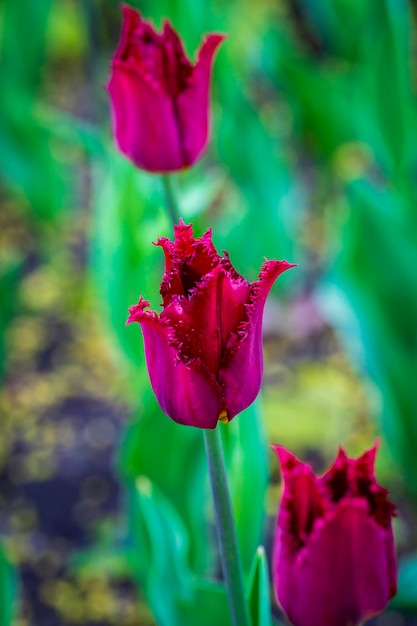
[187, 260]
[337, 480]
[187, 393]
[357, 477]
[302, 503]
[345, 574]
[211, 323]
[143, 119]
[193, 101]
[159, 100]
[203, 322]
[344, 571]
[242, 366]
[176, 68]
[131, 24]
[159, 56]
[156, 96]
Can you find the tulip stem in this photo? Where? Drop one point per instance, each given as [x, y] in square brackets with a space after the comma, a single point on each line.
[170, 201]
[226, 531]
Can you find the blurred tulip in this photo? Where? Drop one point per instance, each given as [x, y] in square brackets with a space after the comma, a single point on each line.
[334, 560]
[204, 351]
[159, 100]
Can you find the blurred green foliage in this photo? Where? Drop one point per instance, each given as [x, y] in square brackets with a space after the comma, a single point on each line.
[313, 158]
[8, 590]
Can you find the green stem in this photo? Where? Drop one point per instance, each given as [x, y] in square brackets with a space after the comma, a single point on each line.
[170, 200]
[226, 532]
[225, 524]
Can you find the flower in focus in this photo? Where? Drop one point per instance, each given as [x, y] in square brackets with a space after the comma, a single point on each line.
[204, 351]
[334, 560]
[159, 100]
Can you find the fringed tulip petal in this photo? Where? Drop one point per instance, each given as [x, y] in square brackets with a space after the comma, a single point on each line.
[204, 352]
[185, 392]
[203, 322]
[242, 364]
[342, 576]
[334, 558]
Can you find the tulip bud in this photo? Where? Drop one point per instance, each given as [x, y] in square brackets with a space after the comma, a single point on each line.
[159, 100]
[334, 560]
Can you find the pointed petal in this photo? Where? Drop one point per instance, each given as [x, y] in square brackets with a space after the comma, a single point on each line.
[176, 67]
[365, 485]
[188, 394]
[301, 503]
[203, 323]
[365, 463]
[144, 116]
[132, 22]
[187, 260]
[141, 48]
[287, 460]
[193, 102]
[354, 558]
[242, 365]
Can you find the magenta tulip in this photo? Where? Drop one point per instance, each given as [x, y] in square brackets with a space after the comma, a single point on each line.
[204, 351]
[334, 560]
[159, 100]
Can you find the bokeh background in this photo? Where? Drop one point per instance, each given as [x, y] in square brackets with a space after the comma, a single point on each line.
[103, 515]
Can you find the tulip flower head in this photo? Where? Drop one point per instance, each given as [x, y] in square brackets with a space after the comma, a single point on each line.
[334, 560]
[204, 351]
[159, 100]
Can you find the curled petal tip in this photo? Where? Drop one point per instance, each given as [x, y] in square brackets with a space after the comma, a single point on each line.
[287, 460]
[368, 458]
[341, 455]
[127, 10]
[211, 42]
[137, 311]
[273, 269]
[373, 451]
[285, 265]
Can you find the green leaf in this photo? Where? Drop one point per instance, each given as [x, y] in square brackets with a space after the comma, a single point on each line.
[128, 218]
[26, 156]
[26, 22]
[262, 193]
[304, 81]
[385, 84]
[9, 277]
[27, 151]
[172, 457]
[158, 551]
[209, 605]
[8, 590]
[247, 469]
[258, 590]
[376, 272]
